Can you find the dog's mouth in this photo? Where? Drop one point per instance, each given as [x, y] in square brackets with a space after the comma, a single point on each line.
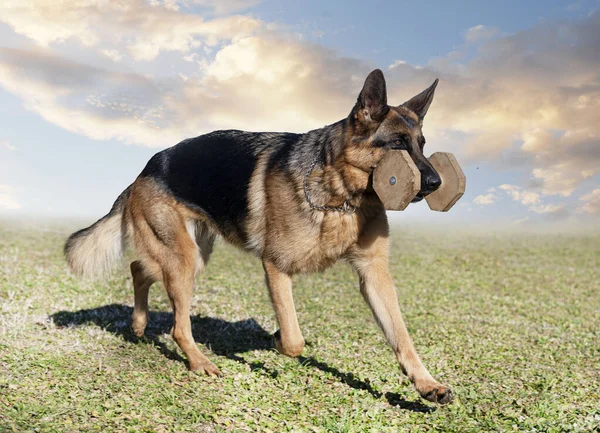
[418, 198]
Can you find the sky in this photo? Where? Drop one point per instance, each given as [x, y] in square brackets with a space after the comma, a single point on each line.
[90, 90]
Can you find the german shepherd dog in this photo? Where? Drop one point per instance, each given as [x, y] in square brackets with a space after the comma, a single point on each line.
[300, 202]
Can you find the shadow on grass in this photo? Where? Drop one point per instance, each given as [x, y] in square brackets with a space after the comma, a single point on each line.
[228, 339]
[224, 338]
[352, 381]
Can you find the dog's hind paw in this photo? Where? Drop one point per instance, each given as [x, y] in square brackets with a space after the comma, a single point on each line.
[205, 368]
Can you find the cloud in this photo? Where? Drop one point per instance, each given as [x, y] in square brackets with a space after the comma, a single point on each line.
[566, 158]
[273, 83]
[114, 55]
[396, 64]
[224, 6]
[528, 101]
[533, 201]
[5, 144]
[485, 199]
[255, 83]
[521, 221]
[7, 199]
[531, 98]
[549, 209]
[144, 29]
[88, 100]
[591, 203]
[480, 33]
[528, 198]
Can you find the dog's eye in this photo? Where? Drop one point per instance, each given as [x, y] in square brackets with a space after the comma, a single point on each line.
[401, 142]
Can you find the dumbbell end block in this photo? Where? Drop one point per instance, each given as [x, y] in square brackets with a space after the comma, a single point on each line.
[396, 180]
[453, 185]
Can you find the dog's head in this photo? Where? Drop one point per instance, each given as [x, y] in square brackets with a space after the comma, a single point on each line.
[379, 127]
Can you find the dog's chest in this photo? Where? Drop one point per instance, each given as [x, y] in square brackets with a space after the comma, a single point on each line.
[307, 246]
[284, 229]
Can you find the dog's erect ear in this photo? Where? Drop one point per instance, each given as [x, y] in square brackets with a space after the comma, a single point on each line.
[420, 103]
[372, 100]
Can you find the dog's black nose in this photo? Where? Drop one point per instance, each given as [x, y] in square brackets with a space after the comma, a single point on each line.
[433, 182]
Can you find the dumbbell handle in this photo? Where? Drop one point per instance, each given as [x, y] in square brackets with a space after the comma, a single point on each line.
[397, 181]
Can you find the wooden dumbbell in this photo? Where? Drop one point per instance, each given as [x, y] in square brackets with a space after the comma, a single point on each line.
[453, 184]
[397, 181]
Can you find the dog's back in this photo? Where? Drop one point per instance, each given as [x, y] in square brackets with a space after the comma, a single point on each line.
[211, 173]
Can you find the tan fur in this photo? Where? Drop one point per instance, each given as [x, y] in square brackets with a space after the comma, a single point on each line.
[296, 245]
[289, 341]
[142, 280]
[257, 224]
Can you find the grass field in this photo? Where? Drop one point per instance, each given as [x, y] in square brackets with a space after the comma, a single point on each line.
[511, 322]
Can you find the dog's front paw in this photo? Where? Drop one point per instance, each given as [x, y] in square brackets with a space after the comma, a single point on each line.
[205, 368]
[436, 392]
[292, 350]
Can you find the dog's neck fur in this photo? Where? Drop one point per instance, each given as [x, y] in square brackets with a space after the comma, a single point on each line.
[345, 161]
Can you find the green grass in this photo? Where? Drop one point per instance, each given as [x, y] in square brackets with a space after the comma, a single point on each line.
[511, 322]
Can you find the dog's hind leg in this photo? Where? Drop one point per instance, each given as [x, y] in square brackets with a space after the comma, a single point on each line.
[142, 280]
[179, 282]
[288, 340]
[180, 260]
[187, 254]
[370, 258]
[165, 235]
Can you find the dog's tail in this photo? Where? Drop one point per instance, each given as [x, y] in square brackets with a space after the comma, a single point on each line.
[96, 250]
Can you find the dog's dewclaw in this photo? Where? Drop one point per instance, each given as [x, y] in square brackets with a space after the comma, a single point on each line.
[396, 180]
[453, 185]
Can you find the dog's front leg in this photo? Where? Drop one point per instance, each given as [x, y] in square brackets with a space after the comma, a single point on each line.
[370, 258]
[288, 340]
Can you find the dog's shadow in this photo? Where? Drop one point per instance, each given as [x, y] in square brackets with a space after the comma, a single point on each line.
[224, 338]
